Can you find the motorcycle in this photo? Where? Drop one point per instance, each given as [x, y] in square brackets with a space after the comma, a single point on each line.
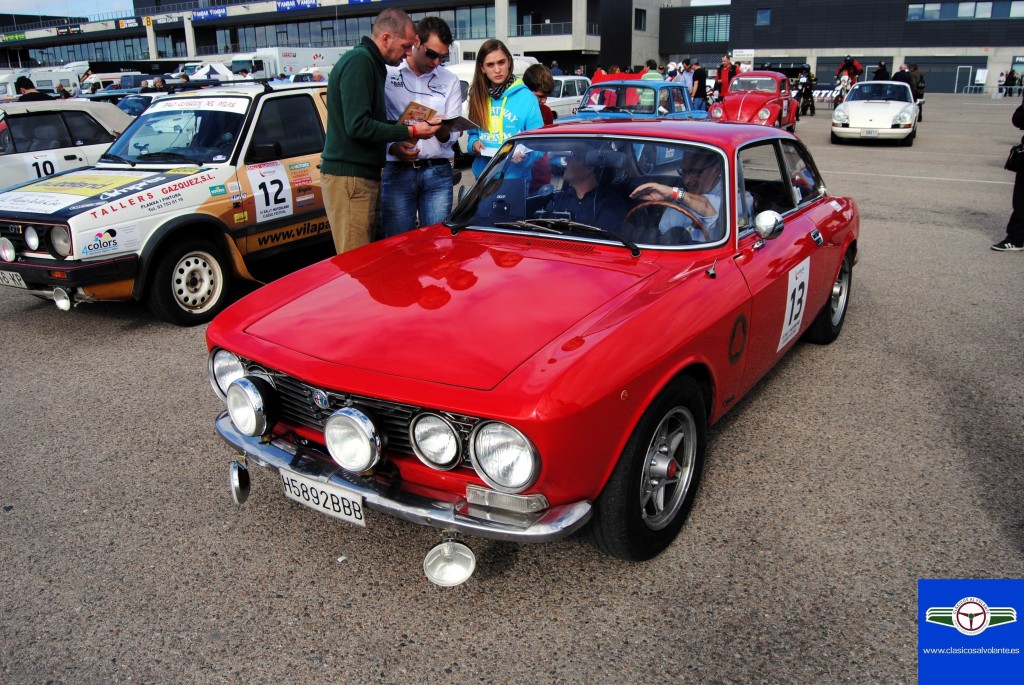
[805, 93]
[842, 90]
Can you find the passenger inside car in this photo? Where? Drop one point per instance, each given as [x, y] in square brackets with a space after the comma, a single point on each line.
[585, 195]
[698, 197]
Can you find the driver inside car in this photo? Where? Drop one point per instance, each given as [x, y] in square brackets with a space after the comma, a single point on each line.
[700, 194]
[582, 197]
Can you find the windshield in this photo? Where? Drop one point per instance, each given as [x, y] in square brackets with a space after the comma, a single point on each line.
[758, 85]
[617, 189]
[876, 91]
[635, 99]
[175, 130]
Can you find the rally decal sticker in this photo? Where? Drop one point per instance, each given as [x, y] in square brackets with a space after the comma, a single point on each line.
[272, 190]
[796, 301]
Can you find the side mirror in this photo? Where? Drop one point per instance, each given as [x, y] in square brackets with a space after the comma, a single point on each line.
[264, 152]
[768, 224]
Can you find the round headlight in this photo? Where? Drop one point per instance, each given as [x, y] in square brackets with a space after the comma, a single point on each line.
[7, 252]
[717, 112]
[32, 238]
[249, 400]
[435, 441]
[60, 240]
[223, 369]
[504, 457]
[840, 116]
[352, 440]
[902, 118]
[763, 114]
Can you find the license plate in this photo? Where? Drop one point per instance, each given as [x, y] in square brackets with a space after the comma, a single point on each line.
[12, 279]
[324, 497]
[869, 133]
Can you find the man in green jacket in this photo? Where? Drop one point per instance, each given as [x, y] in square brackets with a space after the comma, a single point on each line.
[357, 129]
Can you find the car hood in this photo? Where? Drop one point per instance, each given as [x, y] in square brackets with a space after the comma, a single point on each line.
[108, 190]
[745, 107]
[463, 311]
[873, 114]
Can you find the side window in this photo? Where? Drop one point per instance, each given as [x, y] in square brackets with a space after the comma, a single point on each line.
[85, 130]
[763, 184]
[44, 131]
[678, 99]
[804, 177]
[291, 125]
[556, 92]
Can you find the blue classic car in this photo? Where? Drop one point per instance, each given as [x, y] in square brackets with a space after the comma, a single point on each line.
[633, 98]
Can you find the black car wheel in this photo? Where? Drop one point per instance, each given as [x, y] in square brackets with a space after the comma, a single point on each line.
[189, 284]
[650, 492]
[829, 323]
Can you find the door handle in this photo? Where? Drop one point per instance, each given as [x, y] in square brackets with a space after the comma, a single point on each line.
[816, 237]
[70, 157]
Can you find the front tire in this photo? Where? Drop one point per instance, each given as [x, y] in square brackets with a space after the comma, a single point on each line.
[836, 140]
[829, 323]
[189, 284]
[651, 491]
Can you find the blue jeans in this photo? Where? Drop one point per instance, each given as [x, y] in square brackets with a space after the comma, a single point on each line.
[700, 104]
[406, 192]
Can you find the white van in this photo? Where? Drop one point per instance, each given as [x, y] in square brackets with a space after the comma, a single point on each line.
[106, 80]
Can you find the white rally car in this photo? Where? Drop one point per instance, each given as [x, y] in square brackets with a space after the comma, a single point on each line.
[877, 110]
[204, 186]
[45, 137]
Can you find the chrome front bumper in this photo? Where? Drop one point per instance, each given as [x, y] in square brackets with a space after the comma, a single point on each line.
[459, 516]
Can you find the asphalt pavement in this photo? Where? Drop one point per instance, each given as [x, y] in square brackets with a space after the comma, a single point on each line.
[850, 472]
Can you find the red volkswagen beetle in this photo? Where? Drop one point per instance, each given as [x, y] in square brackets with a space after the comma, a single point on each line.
[759, 97]
[552, 355]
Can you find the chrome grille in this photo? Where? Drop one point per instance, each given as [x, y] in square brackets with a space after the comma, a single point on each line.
[391, 418]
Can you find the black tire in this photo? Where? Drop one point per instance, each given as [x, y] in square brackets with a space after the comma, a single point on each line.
[651, 491]
[836, 140]
[909, 140]
[189, 284]
[829, 323]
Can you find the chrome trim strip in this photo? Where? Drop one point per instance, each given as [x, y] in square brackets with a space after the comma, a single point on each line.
[552, 524]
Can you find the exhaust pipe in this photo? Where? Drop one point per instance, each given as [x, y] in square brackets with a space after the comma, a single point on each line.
[62, 298]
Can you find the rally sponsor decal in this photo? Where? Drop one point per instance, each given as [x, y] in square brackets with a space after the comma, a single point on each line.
[796, 301]
[233, 187]
[109, 241]
[300, 165]
[271, 189]
[148, 198]
[218, 190]
[224, 104]
[280, 236]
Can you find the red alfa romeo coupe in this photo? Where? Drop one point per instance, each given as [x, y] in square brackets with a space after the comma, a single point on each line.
[552, 355]
[759, 97]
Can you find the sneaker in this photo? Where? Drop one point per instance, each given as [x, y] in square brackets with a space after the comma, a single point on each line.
[1007, 246]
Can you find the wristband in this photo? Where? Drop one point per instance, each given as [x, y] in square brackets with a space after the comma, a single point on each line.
[413, 131]
[676, 194]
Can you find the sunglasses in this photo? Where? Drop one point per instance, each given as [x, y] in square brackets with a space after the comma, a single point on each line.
[431, 55]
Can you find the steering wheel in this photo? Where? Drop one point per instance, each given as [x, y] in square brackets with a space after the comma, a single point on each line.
[663, 203]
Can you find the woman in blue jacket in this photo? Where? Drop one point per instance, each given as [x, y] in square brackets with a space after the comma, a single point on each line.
[502, 105]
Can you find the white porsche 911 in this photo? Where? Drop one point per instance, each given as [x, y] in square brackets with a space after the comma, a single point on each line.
[877, 110]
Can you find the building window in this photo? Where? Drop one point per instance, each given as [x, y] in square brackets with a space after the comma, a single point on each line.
[965, 10]
[1016, 10]
[983, 10]
[709, 28]
[640, 20]
[763, 18]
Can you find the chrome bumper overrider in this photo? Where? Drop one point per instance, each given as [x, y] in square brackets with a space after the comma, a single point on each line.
[552, 524]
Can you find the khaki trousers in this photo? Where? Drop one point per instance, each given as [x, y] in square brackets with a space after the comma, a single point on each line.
[353, 208]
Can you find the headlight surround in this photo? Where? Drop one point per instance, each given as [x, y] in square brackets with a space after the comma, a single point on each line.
[59, 241]
[763, 114]
[223, 368]
[505, 458]
[352, 440]
[717, 112]
[251, 402]
[840, 116]
[32, 238]
[435, 441]
[7, 251]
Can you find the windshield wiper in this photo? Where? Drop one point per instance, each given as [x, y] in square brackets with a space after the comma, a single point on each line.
[530, 225]
[587, 228]
[169, 157]
[106, 156]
